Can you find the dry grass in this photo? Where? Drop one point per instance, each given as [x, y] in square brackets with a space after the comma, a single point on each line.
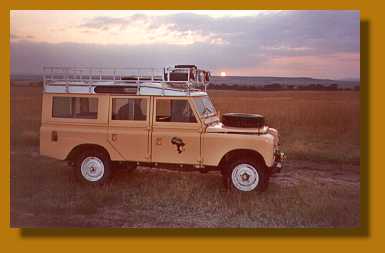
[313, 124]
[321, 190]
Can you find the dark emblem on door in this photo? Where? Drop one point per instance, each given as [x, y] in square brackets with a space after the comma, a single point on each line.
[179, 144]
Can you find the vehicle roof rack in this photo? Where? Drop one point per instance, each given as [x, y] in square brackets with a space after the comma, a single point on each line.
[178, 80]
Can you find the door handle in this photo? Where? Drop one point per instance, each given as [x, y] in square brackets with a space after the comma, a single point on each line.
[159, 141]
[114, 137]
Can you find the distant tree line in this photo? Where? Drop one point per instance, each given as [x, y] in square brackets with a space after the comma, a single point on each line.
[278, 87]
[267, 87]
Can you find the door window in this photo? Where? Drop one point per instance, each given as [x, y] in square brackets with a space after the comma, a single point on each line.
[174, 110]
[129, 109]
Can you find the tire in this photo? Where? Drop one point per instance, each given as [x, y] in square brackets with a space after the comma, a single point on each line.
[243, 120]
[93, 167]
[244, 175]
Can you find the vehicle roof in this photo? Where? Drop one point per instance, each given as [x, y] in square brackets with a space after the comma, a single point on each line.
[144, 89]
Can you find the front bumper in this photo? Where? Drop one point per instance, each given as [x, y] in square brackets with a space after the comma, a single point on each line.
[279, 158]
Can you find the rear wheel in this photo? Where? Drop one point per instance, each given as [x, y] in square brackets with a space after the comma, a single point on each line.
[246, 175]
[93, 167]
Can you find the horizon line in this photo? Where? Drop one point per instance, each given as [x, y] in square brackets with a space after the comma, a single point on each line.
[292, 77]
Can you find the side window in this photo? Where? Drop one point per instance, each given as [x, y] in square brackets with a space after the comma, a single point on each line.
[75, 107]
[168, 110]
[129, 109]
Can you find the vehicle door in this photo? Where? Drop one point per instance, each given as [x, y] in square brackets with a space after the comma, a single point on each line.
[129, 126]
[176, 132]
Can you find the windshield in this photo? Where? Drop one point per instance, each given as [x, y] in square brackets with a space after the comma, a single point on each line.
[204, 106]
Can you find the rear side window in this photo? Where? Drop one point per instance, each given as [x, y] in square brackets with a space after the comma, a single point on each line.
[75, 107]
[178, 110]
[129, 109]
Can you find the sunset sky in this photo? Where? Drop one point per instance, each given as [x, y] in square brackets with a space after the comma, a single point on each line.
[320, 44]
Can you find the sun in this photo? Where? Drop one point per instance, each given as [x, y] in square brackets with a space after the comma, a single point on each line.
[223, 73]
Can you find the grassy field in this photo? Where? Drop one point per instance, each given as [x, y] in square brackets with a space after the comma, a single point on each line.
[314, 125]
[319, 186]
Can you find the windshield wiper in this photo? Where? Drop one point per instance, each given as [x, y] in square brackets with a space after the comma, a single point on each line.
[206, 110]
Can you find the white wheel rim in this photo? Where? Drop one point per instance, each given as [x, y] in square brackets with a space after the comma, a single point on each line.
[245, 177]
[92, 169]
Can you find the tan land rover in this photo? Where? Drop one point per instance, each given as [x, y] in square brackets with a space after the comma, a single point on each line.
[101, 119]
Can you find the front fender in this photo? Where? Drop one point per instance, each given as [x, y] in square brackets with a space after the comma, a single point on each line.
[216, 145]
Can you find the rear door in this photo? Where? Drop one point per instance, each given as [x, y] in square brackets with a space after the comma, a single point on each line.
[176, 132]
[129, 127]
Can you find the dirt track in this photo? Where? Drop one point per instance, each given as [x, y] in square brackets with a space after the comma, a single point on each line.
[304, 194]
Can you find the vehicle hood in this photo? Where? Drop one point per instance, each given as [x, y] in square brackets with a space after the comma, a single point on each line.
[218, 127]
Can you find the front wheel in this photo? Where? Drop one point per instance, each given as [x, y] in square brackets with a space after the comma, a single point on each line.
[247, 175]
[93, 167]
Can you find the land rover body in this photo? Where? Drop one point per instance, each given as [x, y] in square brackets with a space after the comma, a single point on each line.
[102, 119]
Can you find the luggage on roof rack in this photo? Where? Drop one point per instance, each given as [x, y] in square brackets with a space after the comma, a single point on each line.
[186, 66]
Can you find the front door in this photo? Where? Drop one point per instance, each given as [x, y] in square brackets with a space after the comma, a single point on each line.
[129, 127]
[176, 132]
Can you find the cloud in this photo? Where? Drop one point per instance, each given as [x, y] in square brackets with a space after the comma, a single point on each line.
[28, 55]
[324, 42]
[152, 29]
[14, 37]
[323, 31]
[104, 23]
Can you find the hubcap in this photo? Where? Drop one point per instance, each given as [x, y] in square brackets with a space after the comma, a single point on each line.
[92, 169]
[245, 177]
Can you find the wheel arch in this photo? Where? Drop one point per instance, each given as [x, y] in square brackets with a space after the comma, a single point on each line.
[238, 153]
[82, 147]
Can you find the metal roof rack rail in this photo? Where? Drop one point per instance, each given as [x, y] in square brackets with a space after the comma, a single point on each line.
[174, 80]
